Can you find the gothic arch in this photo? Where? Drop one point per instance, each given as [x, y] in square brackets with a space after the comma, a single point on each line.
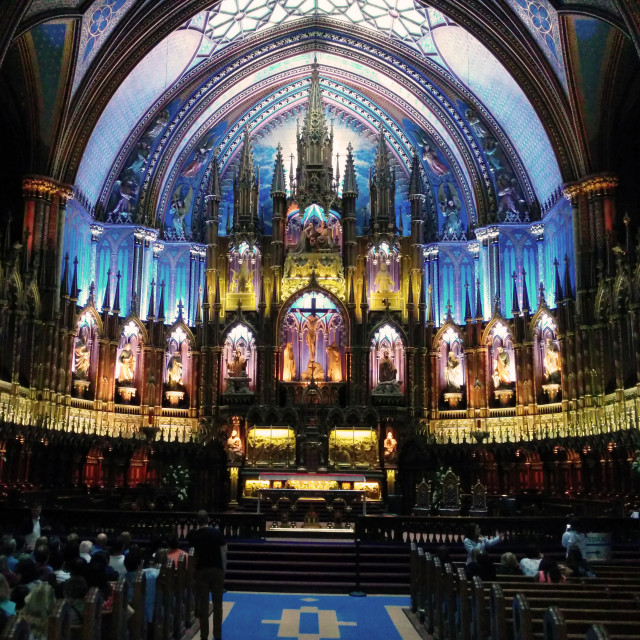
[313, 287]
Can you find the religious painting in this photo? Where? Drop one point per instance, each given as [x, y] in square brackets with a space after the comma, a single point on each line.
[387, 361]
[239, 366]
[313, 339]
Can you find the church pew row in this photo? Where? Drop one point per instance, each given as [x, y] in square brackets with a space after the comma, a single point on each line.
[174, 610]
[505, 623]
[451, 608]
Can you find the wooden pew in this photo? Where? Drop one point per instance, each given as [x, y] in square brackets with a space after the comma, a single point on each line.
[190, 613]
[559, 625]
[502, 611]
[115, 623]
[413, 576]
[180, 611]
[91, 626]
[59, 621]
[137, 623]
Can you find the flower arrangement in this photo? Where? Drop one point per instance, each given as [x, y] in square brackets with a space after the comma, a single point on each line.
[178, 477]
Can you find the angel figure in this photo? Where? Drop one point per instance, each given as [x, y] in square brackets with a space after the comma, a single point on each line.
[475, 124]
[451, 207]
[507, 195]
[125, 190]
[159, 123]
[430, 156]
[141, 157]
[193, 168]
[180, 206]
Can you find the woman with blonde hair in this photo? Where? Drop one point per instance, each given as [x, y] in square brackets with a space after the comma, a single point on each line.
[37, 607]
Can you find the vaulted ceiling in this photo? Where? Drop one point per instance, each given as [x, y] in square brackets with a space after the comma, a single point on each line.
[127, 94]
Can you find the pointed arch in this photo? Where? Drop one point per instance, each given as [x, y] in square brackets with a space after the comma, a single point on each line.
[239, 355]
[495, 322]
[96, 318]
[449, 326]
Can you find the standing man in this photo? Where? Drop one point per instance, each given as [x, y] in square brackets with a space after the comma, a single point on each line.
[210, 551]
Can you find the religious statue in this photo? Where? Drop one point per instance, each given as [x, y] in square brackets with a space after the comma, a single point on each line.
[453, 374]
[245, 279]
[237, 367]
[334, 363]
[551, 363]
[430, 156]
[82, 359]
[289, 371]
[234, 447]
[127, 361]
[390, 445]
[312, 323]
[383, 280]
[174, 370]
[308, 237]
[501, 374]
[324, 239]
[386, 369]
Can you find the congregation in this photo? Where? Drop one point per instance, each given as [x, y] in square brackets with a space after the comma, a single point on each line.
[44, 571]
[533, 563]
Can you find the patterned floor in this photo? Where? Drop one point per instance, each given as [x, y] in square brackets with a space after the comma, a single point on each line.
[272, 616]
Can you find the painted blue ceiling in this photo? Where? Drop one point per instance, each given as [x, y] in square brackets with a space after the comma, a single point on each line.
[160, 93]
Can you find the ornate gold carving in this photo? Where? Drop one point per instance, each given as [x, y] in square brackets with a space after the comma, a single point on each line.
[329, 273]
[41, 187]
[591, 186]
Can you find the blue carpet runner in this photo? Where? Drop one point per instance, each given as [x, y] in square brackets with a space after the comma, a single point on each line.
[273, 616]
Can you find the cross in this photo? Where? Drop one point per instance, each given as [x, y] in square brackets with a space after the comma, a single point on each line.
[386, 304]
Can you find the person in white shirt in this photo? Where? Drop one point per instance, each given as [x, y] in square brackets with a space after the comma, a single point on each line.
[529, 564]
[116, 558]
[85, 550]
[474, 540]
[573, 536]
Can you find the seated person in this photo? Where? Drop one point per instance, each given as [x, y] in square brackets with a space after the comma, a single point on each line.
[74, 590]
[481, 566]
[116, 558]
[530, 563]
[549, 572]
[6, 604]
[509, 565]
[133, 562]
[577, 565]
[175, 553]
[37, 607]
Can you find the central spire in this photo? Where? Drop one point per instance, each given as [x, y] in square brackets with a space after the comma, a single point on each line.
[314, 174]
[315, 92]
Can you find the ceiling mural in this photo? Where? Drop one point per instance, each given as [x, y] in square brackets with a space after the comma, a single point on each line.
[484, 153]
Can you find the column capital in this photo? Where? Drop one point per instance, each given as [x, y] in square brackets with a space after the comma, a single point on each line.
[596, 185]
[43, 187]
